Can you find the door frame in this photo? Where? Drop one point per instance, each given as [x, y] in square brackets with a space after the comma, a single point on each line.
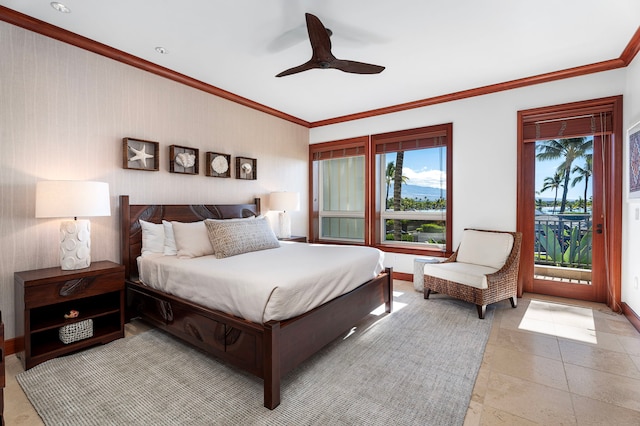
[612, 198]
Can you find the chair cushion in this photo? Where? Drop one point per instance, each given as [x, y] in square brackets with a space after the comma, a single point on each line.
[485, 248]
[463, 273]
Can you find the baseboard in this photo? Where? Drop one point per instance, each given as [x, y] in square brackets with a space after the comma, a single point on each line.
[402, 276]
[12, 346]
[632, 316]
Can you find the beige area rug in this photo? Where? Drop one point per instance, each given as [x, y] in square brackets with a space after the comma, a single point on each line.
[416, 366]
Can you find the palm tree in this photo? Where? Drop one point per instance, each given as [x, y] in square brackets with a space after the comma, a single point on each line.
[397, 194]
[583, 173]
[569, 150]
[554, 183]
[389, 174]
[389, 177]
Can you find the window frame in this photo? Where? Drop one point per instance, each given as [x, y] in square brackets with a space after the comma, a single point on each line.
[330, 150]
[411, 139]
[367, 146]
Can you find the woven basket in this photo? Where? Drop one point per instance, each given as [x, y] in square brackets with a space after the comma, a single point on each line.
[77, 331]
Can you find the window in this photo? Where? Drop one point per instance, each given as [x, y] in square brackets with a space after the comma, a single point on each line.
[390, 190]
[342, 195]
[338, 171]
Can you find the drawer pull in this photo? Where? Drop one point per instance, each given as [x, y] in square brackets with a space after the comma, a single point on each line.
[75, 286]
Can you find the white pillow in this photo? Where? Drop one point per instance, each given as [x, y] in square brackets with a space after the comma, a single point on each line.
[152, 237]
[485, 248]
[192, 239]
[232, 237]
[169, 240]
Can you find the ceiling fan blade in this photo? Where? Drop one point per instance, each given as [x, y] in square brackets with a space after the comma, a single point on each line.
[304, 67]
[319, 38]
[355, 67]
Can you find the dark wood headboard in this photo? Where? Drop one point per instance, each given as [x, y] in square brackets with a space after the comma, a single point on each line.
[131, 232]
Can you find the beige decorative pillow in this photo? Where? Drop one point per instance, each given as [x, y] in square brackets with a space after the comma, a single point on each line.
[229, 238]
[191, 239]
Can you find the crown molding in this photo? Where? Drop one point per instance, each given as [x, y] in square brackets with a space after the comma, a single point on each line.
[46, 29]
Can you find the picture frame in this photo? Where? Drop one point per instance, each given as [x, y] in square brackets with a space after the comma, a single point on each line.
[184, 160]
[218, 165]
[139, 154]
[633, 138]
[246, 168]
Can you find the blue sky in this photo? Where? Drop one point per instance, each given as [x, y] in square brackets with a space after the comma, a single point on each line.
[422, 167]
[547, 169]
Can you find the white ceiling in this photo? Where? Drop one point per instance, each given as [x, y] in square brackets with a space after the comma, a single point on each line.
[429, 47]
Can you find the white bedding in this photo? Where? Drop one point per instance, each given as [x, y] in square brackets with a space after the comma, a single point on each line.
[265, 285]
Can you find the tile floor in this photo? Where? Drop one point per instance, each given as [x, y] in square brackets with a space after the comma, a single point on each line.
[555, 361]
[551, 361]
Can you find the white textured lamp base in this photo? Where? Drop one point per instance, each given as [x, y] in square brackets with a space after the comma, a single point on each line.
[75, 244]
[285, 225]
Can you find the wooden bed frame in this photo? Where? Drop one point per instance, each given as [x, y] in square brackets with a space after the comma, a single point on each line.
[268, 350]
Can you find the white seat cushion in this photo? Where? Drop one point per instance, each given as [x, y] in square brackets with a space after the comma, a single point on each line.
[463, 273]
[485, 248]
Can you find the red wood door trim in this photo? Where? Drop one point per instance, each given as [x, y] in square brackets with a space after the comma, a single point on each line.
[612, 197]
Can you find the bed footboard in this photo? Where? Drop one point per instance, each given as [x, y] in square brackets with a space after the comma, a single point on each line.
[268, 351]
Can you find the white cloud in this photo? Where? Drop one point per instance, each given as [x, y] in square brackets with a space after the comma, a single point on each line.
[432, 178]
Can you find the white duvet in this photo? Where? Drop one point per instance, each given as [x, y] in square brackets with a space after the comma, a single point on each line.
[274, 284]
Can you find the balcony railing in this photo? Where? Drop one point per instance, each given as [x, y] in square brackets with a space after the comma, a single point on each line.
[564, 240]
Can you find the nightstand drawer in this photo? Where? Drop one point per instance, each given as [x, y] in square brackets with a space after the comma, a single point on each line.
[60, 291]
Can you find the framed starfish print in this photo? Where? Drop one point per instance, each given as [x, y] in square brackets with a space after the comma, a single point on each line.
[138, 154]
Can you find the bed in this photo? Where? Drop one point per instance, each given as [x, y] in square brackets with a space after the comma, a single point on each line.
[268, 346]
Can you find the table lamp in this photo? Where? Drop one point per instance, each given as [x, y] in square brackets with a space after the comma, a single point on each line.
[284, 202]
[75, 199]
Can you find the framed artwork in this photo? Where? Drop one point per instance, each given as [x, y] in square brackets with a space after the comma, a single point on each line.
[633, 135]
[138, 154]
[218, 165]
[183, 159]
[246, 168]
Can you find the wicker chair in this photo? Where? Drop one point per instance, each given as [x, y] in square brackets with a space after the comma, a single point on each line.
[483, 270]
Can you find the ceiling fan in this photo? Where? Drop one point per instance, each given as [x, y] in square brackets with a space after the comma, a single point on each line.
[322, 56]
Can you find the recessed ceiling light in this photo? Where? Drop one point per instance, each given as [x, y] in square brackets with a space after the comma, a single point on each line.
[161, 50]
[60, 7]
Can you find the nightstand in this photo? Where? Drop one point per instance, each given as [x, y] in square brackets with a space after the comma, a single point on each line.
[1, 370]
[295, 239]
[44, 296]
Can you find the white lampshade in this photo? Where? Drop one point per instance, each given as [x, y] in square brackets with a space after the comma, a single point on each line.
[69, 198]
[284, 201]
[72, 199]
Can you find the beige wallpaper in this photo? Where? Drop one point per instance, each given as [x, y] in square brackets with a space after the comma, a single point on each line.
[63, 113]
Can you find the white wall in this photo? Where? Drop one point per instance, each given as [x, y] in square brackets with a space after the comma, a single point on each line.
[631, 225]
[63, 114]
[485, 147]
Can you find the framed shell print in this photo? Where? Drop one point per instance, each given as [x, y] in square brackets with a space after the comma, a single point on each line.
[183, 159]
[138, 154]
[246, 168]
[218, 165]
